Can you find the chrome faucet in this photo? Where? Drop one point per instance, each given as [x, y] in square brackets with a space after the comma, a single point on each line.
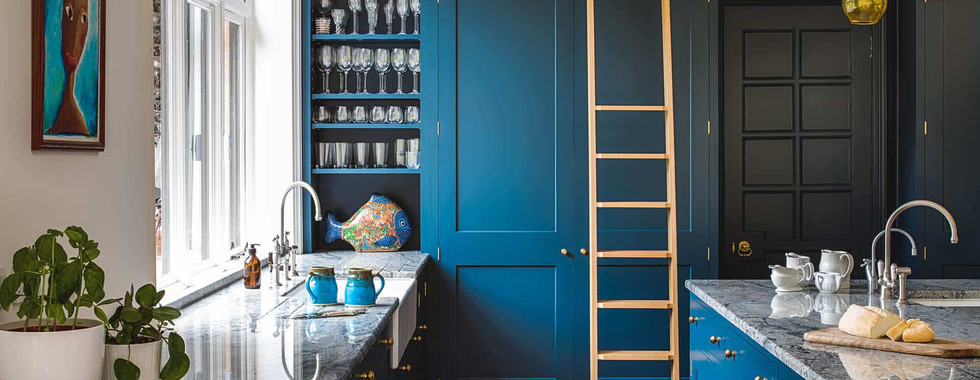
[284, 251]
[871, 264]
[890, 273]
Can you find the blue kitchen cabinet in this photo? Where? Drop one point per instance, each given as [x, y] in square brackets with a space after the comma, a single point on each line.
[719, 350]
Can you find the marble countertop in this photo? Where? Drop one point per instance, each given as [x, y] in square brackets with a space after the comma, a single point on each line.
[777, 322]
[239, 333]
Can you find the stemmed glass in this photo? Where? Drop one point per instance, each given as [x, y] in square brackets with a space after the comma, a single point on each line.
[344, 62]
[414, 64]
[365, 60]
[382, 62]
[355, 7]
[399, 63]
[390, 15]
[372, 13]
[416, 6]
[324, 60]
[402, 6]
[339, 19]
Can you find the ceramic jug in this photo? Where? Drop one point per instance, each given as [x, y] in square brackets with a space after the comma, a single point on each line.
[837, 262]
[789, 279]
[360, 290]
[321, 285]
[794, 260]
[828, 282]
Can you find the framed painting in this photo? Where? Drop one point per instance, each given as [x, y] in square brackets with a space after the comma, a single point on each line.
[68, 89]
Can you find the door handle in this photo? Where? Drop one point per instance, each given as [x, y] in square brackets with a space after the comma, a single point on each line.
[744, 248]
[565, 252]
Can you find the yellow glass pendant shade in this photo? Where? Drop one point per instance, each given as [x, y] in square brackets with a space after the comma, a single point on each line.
[864, 12]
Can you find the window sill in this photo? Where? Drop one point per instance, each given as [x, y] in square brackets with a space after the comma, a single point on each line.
[185, 292]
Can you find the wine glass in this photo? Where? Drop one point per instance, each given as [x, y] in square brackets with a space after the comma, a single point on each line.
[382, 62]
[414, 64]
[324, 60]
[390, 15]
[355, 7]
[344, 62]
[371, 6]
[399, 63]
[356, 67]
[402, 6]
[339, 19]
[366, 60]
[416, 6]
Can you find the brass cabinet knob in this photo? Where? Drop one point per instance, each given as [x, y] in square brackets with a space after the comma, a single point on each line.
[692, 319]
[729, 354]
[564, 252]
[584, 251]
[760, 378]
[417, 338]
[387, 341]
[406, 368]
[713, 339]
[423, 327]
[368, 375]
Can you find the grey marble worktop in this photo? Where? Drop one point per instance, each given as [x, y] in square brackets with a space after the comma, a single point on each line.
[238, 333]
[777, 322]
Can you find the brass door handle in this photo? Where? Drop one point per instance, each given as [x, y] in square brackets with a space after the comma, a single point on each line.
[744, 248]
[713, 339]
[368, 375]
[406, 368]
[729, 354]
[565, 252]
[584, 251]
[692, 320]
[387, 341]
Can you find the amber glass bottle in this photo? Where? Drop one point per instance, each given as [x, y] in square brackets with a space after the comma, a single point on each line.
[253, 269]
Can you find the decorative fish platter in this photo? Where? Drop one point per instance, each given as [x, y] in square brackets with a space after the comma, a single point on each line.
[379, 225]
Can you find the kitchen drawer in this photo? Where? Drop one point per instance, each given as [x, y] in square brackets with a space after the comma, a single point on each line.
[708, 324]
[746, 361]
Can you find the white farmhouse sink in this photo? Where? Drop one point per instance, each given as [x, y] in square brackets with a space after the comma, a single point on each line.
[948, 302]
[403, 319]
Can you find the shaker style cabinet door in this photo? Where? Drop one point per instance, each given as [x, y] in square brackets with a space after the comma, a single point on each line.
[505, 189]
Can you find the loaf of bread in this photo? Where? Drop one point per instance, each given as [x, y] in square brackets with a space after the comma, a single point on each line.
[918, 332]
[868, 321]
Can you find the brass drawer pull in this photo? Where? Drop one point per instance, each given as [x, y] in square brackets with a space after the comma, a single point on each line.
[406, 368]
[417, 338]
[730, 354]
[565, 252]
[369, 375]
[760, 378]
[423, 327]
[692, 320]
[713, 339]
[387, 341]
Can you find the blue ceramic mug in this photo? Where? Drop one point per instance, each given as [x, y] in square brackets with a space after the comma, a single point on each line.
[321, 285]
[360, 288]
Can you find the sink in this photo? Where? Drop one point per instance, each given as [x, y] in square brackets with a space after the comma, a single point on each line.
[947, 302]
[403, 320]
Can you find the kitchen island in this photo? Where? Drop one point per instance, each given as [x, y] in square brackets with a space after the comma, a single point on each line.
[239, 333]
[743, 328]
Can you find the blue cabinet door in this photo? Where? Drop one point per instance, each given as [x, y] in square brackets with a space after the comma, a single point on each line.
[505, 189]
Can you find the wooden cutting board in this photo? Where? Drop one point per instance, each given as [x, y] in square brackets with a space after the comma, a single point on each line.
[943, 348]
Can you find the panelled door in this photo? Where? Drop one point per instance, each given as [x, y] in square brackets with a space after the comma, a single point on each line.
[797, 134]
[505, 189]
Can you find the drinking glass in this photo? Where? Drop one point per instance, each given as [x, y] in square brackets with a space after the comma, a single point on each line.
[412, 115]
[321, 114]
[342, 115]
[341, 154]
[371, 6]
[412, 160]
[324, 60]
[416, 6]
[366, 61]
[413, 144]
[339, 18]
[390, 15]
[357, 69]
[360, 114]
[322, 22]
[382, 62]
[355, 7]
[344, 62]
[361, 154]
[378, 115]
[395, 114]
[380, 154]
[400, 147]
[325, 154]
[402, 7]
[415, 64]
[399, 63]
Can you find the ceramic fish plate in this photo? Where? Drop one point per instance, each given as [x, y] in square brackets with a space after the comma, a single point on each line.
[379, 225]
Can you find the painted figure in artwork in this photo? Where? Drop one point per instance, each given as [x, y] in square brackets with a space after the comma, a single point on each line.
[74, 31]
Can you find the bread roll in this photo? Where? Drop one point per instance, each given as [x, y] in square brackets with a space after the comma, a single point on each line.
[868, 321]
[918, 332]
[895, 333]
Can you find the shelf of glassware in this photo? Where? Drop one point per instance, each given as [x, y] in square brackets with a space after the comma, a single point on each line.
[367, 37]
[367, 171]
[368, 96]
[366, 126]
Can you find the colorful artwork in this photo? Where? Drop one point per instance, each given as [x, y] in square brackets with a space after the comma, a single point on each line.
[68, 73]
[378, 226]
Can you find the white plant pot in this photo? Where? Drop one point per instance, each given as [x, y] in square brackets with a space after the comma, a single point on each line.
[59, 355]
[146, 356]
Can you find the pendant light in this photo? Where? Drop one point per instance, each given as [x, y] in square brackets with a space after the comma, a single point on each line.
[864, 12]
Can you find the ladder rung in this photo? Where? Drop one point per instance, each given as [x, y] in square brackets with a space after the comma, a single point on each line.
[635, 304]
[630, 108]
[632, 205]
[635, 355]
[635, 254]
[632, 156]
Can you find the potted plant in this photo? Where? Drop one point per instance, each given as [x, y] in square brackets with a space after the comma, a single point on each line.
[135, 335]
[50, 341]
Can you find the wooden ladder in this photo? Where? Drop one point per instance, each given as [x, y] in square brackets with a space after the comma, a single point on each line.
[670, 254]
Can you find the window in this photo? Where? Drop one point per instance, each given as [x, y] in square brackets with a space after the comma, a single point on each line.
[202, 158]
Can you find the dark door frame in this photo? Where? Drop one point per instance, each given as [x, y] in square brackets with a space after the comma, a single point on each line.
[884, 120]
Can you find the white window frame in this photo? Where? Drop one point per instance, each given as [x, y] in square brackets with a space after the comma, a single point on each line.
[175, 168]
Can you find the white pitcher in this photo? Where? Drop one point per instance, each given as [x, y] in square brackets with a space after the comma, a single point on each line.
[837, 262]
[795, 260]
[789, 279]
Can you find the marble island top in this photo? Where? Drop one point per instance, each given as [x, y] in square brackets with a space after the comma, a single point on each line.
[239, 333]
[777, 322]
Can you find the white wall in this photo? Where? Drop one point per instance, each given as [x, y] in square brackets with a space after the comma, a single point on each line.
[110, 194]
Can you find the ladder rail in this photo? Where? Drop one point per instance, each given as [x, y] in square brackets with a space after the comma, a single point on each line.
[593, 222]
[674, 327]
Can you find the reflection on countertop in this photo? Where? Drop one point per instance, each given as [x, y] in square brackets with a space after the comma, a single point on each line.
[238, 333]
[777, 322]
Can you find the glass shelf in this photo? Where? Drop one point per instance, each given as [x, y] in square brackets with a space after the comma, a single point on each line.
[366, 37]
[365, 126]
[366, 96]
[367, 171]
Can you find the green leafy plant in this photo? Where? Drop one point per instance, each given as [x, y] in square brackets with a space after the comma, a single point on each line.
[144, 322]
[53, 286]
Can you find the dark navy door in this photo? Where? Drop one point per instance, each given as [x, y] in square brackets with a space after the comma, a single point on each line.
[505, 189]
